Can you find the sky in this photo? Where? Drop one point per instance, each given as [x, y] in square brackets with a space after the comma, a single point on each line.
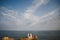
[30, 15]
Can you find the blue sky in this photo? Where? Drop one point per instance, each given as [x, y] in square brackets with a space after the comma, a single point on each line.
[29, 14]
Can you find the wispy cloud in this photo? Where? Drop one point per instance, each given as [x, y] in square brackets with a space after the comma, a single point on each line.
[29, 21]
[32, 8]
[48, 18]
[29, 13]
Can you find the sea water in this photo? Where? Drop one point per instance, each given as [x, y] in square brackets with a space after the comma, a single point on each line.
[42, 35]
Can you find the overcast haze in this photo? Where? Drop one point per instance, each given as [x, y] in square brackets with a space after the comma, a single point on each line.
[29, 15]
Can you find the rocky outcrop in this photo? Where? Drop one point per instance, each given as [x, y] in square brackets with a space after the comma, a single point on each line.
[7, 38]
[30, 37]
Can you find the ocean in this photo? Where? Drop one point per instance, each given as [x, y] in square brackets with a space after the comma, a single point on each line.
[42, 35]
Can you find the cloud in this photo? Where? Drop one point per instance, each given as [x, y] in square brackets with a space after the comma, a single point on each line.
[29, 13]
[32, 8]
[29, 21]
[49, 21]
